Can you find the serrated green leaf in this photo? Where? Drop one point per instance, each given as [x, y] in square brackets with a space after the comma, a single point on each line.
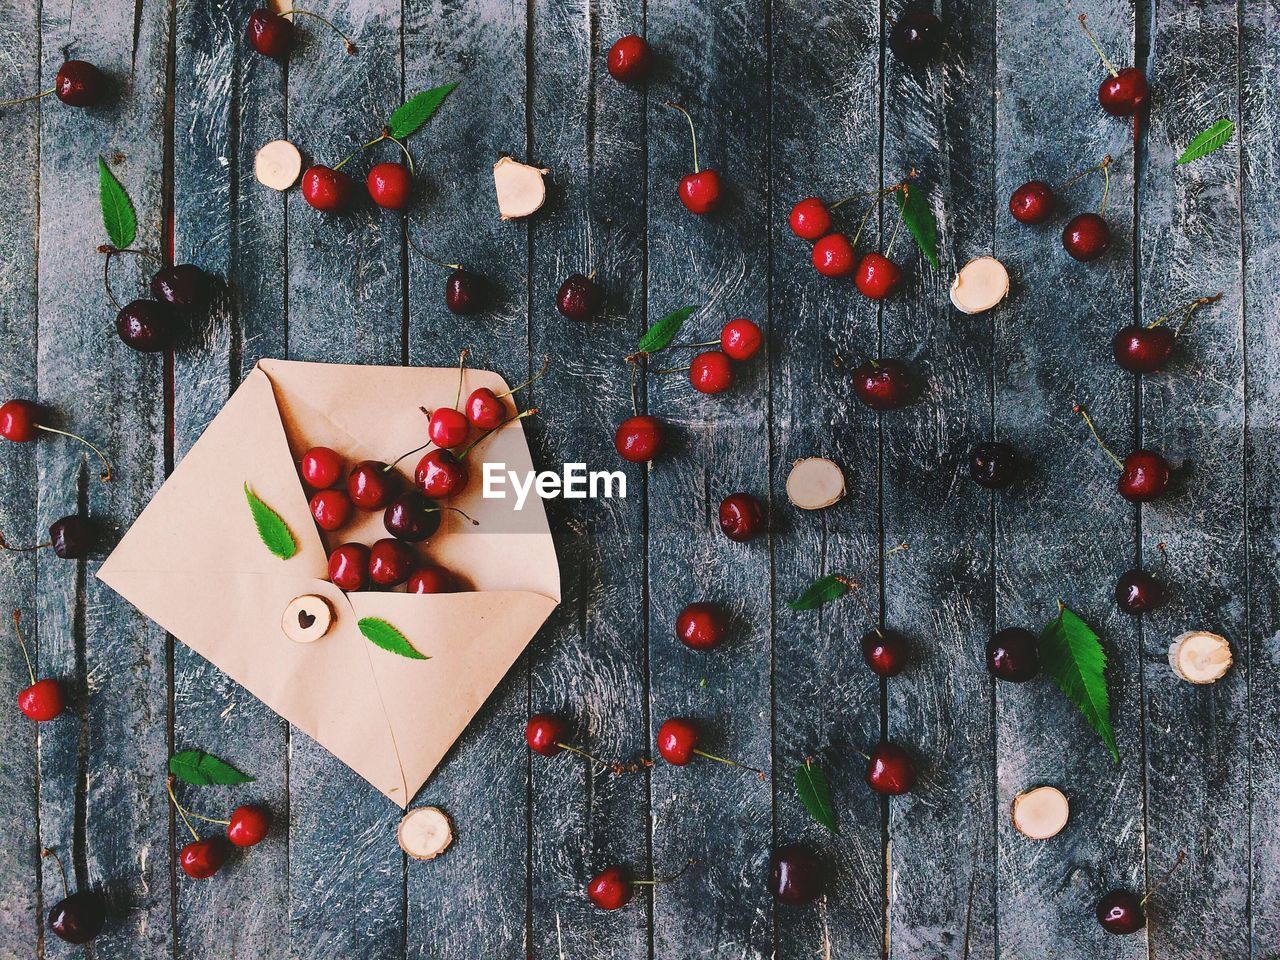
[417, 110]
[1073, 656]
[662, 332]
[384, 635]
[275, 533]
[1205, 143]
[919, 220]
[815, 793]
[202, 769]
[823, 590]
[118, 215]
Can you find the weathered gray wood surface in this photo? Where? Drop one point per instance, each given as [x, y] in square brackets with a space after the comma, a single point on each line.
[791, 98]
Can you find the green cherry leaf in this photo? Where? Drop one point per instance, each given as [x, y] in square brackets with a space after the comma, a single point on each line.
[384, 635]
[1072, 655]
[202, 769]
[663, 331]
[118, 215]
[417, 110]
[1208, 141]
[919, 220]
[823, 590]
[815, 793]
[275, 533]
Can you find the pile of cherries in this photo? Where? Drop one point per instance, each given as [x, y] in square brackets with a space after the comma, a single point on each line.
[153, 324]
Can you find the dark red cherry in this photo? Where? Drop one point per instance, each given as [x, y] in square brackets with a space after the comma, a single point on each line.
[742, 517]
[740, 339]
[1086, 237]
[147, 325]
[630, 59]
[411, 517]
[885, 652]
[448, 427]
[611, 888]
[327, 190]
[371, 484]
[1013, 654]
[485, 409]
[270, 34]
[248, 826]
[1138, 591]
[993, 465]
[391, 562]
[78, 918]
[1144, 477]
[797, 875]
[331, 509]
[465, 292]
[882, 384]
[702, 626]
[390, 185]
[810, 219]
[1121, 912]
[349, 567]
[890, 770]
[431, 580]
[43, 700]
[545, 734]
[678, 740]
[1143, 349]
[1125, 93]
[182, 285]
[71, 537]
[79, 84]
[916, 38]
[711, 372]
[1032, 202]
[638, 439]
[876, 276]
[833, 256]
[579, 298]
[201, 859]
[440, 474]
[321, 467]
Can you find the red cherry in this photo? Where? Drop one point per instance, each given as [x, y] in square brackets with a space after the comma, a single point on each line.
[1032, 202]
[700, 192]
[710, 372]
[270, 34]
[447, 427]
[630, 59]
[882, 384]
[1125, 93]
[545, 734]
[485, 409]
[638, 439]
[1142, 349]
[431, 580]
[611, 888]
[372, 485]
[390, 562]
[810, 219]
[201, 859]
[327, 190]
[42, 701]
[1086, 237]
[248, 825]
[390, 185]
[1144, 476]
[331, 509]
[877, 276]
[741, 517]
[79, 84]
[678, 741]
[1120, 912]
[702, 626]
[441, 474]
[890, 770]
[349, 567]
[885, 652]
[833, 255]
[18, 420]
[741, 339]
[321, 467]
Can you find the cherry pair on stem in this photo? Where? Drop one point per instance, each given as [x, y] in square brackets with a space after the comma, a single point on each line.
[1086, 236]
[203, 857]
[834, 255]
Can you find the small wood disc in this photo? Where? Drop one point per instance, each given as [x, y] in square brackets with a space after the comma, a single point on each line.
[278, 165]
[307, 618]
[1040, 813]
[425, 833]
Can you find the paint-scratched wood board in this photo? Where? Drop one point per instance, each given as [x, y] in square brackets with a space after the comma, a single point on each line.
[790, 98]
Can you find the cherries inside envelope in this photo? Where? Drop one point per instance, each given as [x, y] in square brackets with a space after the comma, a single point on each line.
[194, 562]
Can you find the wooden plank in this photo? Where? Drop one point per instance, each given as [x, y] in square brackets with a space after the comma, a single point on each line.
[1260, 177]
[228, 100]
[826, 701]
[102, 797]
[939, 592]
[589, 664]
[473, 902]
[1197, 737]
[714, 59]
[20, 888]
[1064, 532]
[346, 872]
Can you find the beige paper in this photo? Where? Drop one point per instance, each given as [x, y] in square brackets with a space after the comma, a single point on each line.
[194, 563]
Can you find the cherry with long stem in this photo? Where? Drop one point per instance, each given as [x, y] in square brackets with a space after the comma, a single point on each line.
[457, 402]
[693, 134]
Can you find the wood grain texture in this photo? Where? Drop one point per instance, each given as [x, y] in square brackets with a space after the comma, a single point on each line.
[713, 62]
[473, 902]
[228, 100]
[939, 591]
[589, 663]
[102, 797]
[826, 68]
[345, 302]
[1197, 755]
[1064, 532]
[20, 891]
[1260, 200]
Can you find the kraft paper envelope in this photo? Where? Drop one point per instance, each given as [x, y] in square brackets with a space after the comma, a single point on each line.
[194, 563]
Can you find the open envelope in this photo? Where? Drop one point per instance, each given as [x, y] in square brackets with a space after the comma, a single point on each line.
[194, 563]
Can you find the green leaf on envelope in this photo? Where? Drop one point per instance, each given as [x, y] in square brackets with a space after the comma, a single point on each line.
[275, 533]
[382, 634]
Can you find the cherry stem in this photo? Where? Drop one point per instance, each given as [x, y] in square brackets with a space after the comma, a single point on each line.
[898, 225]
[1106, 161]
[1182, 855]
[17, 620]
[105, 476]
[474, 522]
[692, 133]
[385, 135]
[660, 880]
[488, 433]
[31, 96]
[546, 364]
[392, 465]
[671, 370]
[430, 259]
[732, 763]
[351, 47]
[1106, 183]
[181, 810]
[1089, 33]
[462, 366]
[863, 223]
[106, 278]
[5, 545]
[1094, 430]
[635, 405]
[1191, 309]
[50, 852]
[858, 196]
[582, 753]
